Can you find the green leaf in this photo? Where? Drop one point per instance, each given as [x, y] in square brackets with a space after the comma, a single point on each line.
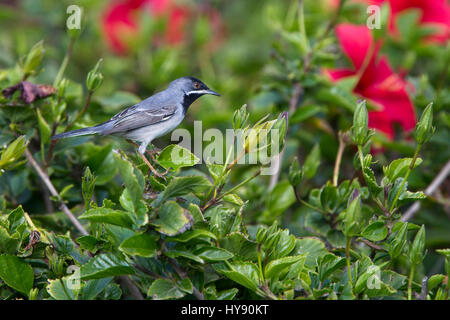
[13, 152]
[162, 289]
[435, 280]
[275, 267]
[140, 245]
[105, 265]
[424, 129]
[398, 168]
[369, 177]
[16, 273]
[360, 124]
[304, 113]
[280, 198]
[376, 231]
[329, 198]
[59, 289]
[183, 254]
[312, 247]
[133, 179]
[175, 157]
[244, 273]
[193, 234]
[312, 162]
[213, 254]
[93, 288]
[397, 244]
[87, 186]
[8, 244]
[416, 253]
[328, 264]
[181, 186]
[172, 219]
[44, 128]
[106, 215]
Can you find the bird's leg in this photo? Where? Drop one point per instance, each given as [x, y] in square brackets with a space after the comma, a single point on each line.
[152, 169]
[153, 152]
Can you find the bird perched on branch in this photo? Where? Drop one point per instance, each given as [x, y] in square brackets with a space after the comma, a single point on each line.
[152, 117]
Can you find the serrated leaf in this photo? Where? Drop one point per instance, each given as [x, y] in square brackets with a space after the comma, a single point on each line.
[176, 157]
[105, 265]
[16, 273]
[275, 267]
[172, 219]
[181, 186]
[213, 254]
[163, 289]
[139, 245]
[106, 215]
[376, 231]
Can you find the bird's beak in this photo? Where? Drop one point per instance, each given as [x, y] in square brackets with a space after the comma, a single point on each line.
[209, 91]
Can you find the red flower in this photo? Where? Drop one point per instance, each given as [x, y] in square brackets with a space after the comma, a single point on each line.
[376, 80]
[119, 21]
[434, 13]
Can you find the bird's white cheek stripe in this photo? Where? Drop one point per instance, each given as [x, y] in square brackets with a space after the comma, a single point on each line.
[197, 91]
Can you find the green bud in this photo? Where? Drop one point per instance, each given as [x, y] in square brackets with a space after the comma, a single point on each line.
[94, 78]
[240, 117]
[261, 234]
[33, 59]
[398, 243]
[295, 173]
[33, 294]
[352, 218]
[360, 124]
[424, 128]
[416, 254]
[62, 86]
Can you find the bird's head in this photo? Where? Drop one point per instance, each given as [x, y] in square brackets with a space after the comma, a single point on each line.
[191, 88]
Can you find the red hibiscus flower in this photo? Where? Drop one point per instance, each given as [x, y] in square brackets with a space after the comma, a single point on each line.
[376, 80]
[435, 13]
[119, 21]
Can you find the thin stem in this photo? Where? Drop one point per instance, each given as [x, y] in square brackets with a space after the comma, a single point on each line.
[337, 163]
[411, 275]
[44, 177]
[253, 176]
[64, 63]
[347, 255]
[411, 166]
[80, 114]
[300, 200]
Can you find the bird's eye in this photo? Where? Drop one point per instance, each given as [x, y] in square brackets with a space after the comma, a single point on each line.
[197, 85]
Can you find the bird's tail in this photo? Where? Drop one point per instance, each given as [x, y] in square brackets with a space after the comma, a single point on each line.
[79, 132]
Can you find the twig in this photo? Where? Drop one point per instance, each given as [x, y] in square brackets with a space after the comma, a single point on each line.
[183, 275]
[78, 116]
[127, 282]
[342, 144]
[44, 177]
[437, 181]
[296, 95]
[371, 244]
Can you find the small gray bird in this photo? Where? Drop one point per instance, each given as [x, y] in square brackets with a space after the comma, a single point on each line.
[152, 117]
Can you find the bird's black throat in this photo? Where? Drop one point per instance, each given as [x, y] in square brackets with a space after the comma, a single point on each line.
[188, 99]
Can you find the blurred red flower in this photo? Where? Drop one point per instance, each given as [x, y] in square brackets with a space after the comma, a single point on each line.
[376, 80]
[434, 13]
[120, 21]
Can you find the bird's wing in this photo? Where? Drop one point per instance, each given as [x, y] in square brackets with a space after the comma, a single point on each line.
[135, 117]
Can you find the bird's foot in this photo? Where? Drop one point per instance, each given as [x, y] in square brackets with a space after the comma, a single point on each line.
[153, 170]
[153, 152]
